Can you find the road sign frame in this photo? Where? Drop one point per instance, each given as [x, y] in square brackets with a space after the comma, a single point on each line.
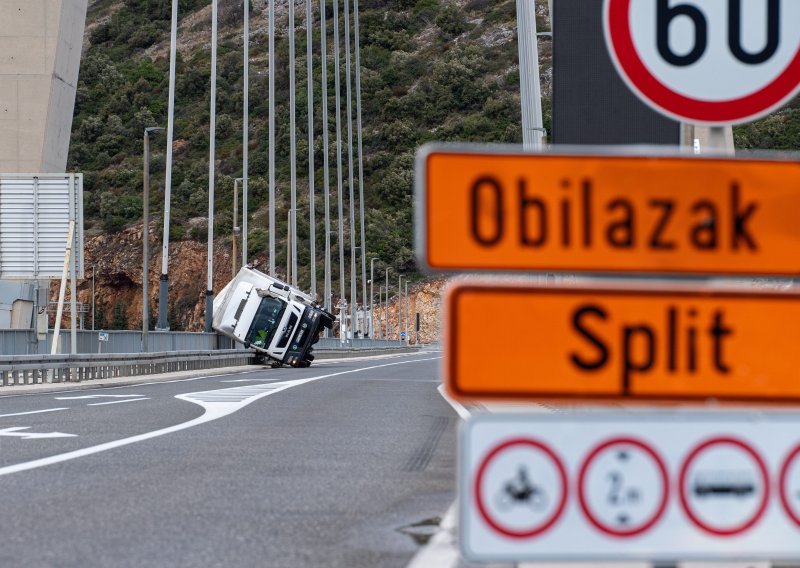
[576, 434]
[452, 371]
[648, 87]
[644, 153]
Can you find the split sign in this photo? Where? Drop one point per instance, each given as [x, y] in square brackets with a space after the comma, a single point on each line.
[607, 487]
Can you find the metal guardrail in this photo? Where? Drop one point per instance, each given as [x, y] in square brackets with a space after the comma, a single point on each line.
[38, 369]
[358, 343]
[23, 342]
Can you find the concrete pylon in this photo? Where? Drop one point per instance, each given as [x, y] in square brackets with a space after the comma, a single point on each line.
[40, 53]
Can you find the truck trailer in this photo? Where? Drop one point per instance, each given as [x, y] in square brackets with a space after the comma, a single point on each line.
[280, 322]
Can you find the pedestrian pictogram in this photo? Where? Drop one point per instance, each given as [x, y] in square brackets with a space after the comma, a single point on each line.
[521, 488]
[724, 486]
[707, 61]
[623, 487]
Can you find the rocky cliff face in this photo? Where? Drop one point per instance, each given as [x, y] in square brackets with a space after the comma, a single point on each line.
[116, 261]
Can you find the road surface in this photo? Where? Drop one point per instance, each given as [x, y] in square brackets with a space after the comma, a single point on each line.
[328, 466]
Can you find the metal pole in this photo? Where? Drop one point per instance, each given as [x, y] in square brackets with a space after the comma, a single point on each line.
[372, 297]
[235, 220]
[289, 246]
[352, 208]
[73, 285]
[93, 316]
[326, 150]
[380, 327]
[272, 137]
[211, 164]
[292, 146]
[406, 316]
[386, 304]
[245, 133]
[163, 292]
[399, 305]
[360, 153]
[531, 100]
[312, 229]
[146, 244]
[337, 75]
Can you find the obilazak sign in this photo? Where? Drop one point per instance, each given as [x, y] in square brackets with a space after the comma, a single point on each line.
[501, 210]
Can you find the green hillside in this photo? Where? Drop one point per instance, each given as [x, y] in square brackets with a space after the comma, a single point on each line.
[432, 70]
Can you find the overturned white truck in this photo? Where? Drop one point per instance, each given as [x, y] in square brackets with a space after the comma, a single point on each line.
[278, 321]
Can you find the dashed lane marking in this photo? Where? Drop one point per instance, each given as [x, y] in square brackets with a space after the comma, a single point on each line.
[118, 401]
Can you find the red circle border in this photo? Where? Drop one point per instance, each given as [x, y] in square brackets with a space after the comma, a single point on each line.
[641, 80]
[662, 507]
[782, 485]
[484, 513]
[764, 475]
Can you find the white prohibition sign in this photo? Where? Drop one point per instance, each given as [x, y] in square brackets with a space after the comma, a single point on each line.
[724, 486]
[623, 487]
[711, 62]
[521, 488]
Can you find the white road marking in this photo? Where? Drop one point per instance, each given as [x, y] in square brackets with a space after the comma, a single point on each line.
[32, 412]
[214, 409]
[17, 433]
[96, 396]
[118, 401]
[249, 380]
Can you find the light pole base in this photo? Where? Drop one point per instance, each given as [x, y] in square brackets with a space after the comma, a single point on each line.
[163, 304]
[209, 310]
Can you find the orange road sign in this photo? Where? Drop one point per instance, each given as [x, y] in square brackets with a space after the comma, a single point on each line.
[485, 209]
[516, 341]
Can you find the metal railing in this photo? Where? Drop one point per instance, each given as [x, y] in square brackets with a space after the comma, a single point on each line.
[39, 369]
[23, 342]
[357, 343]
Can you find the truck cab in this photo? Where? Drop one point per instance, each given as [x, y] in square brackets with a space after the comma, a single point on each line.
[267, 315]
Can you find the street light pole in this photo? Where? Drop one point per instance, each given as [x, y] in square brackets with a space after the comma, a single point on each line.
[406, 317]
[386, 304]
[145, 241]
[360, 149]
[163, 291]
[236, 230]
[272, 138]
[337, 83]
[372, 296]
[245, 135]
[399, 305]
[292, 147]
[312, 229]
[325, 152]
[211, 169]
[380, 297]
[352, 208]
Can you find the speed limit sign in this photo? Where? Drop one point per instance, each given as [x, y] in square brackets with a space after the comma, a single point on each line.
[713, 62]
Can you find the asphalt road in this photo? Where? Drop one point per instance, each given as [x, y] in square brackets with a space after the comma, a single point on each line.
[327, 466]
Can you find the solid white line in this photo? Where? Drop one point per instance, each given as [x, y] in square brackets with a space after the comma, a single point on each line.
[117, 401]
[33, 412]
[213, 412]
[96, 396]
